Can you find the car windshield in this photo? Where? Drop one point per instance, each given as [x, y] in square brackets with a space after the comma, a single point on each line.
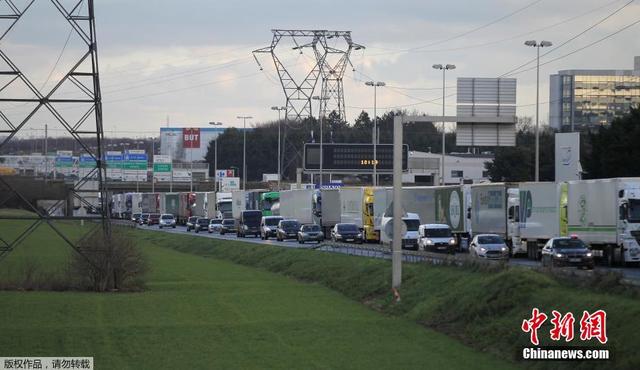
[310, 228]
[192, 219]
[272, 221]
[146, 215]
[634, 211]
[216, 221]
[155, 215]
[490, 239]
[136, 215]
[290, 225]
[569, 244]
[347, 228]
[412, 225]
[203, 221]
[437, 232]
[167, 217]
[228, 222]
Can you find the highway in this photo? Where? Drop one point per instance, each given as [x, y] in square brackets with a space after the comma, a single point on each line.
[374, 251]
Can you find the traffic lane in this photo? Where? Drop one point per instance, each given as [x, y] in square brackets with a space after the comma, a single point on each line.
[628, 272]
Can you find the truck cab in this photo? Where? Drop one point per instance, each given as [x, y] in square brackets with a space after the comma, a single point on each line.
[629, 223]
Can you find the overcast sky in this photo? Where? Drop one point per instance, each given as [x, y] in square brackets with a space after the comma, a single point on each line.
[191, 61]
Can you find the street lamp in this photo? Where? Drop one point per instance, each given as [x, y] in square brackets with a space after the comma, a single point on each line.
[215, 159]
[375, 85]
[535, 44]
[444, 69]
[244, 150]
[320, 99]
[279, 109]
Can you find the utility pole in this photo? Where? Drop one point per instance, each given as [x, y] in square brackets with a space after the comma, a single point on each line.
[444, 69]
[375, 127]
[244, 150]
[279, 109]
[215, 157]
[46, 151]
[322, 101]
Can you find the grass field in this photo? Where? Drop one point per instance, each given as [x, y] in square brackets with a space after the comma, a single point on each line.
[209, 313]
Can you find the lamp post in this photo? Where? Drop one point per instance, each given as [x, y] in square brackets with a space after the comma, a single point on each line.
[215, 158]
[244, 150]
[375, 85]
[444, 69]
[538, 45]
[279, 109]
[321, 99]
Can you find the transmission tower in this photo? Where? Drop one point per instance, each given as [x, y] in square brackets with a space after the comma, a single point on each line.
[79, 89]
[334, 64]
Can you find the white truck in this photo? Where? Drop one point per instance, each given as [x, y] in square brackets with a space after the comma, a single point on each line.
[297, 204]
[410, 234]
[326, 208]
[495, 210]
[365, 206]
[606, 215]
[224, 207]
[542, 206]
[210, 204]
[452, 206]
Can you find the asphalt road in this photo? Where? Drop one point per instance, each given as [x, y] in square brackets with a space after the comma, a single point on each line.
[630, 273]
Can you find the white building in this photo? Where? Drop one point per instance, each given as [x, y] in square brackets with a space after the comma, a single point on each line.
[459, 167]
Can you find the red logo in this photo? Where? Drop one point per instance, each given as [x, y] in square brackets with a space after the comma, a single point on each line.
[591, 326]
[191, 138]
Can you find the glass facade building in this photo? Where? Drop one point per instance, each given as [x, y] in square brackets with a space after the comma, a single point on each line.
[586, 99]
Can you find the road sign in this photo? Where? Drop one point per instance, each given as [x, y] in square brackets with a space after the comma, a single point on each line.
[230, 183]
[162, 167]
[351, 158]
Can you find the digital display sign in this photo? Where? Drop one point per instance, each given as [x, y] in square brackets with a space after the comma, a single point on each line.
[352, 157]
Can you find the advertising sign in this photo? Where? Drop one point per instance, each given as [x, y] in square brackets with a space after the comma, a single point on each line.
[230, 184]
[191, 138]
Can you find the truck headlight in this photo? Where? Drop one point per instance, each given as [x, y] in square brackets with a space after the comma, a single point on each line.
[589, 254]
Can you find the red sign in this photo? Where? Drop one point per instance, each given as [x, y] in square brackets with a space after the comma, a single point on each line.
[191, 138]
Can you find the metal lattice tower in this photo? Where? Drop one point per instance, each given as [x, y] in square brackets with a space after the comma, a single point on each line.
[334, 64]
[297, 93]
[78, 88]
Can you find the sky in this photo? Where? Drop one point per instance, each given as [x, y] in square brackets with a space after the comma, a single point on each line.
[189, 62]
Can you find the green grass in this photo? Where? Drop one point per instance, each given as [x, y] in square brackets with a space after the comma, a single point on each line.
[481, 308]
[209, 313]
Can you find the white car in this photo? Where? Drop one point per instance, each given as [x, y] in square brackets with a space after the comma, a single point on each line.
[167, 220]
[489, 246]
[436, 238]
[215, 225]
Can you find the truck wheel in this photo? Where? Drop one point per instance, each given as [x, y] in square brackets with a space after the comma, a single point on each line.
[610, 256]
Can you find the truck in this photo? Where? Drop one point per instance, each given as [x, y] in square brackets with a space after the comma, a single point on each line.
[495, 210]
[185, 203]
[224, 203]
[133, 203]
[268, 200]
[364, 207]
[170, 203]
[326, 208]
[245, 200]
[452, 205]
[542, 209]
[210, 205]
[410, 233]
[150, 202]
[198, 208]
[297, 204]
[605, 214]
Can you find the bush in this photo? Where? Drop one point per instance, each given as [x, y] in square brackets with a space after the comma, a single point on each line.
[109, 264]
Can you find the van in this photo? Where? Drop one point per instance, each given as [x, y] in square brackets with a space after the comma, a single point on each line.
[249, 223]
[269, 226]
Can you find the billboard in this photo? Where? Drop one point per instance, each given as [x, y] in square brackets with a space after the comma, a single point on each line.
[568, 157]
[191, 138]
[221, 174]
[230, 183]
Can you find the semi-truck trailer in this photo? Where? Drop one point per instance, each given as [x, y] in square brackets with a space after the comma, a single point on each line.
[150, 202]
[452, 205]
[542, 211]
[326, 208]
[365, 208]
[298, 205]
[495, 210]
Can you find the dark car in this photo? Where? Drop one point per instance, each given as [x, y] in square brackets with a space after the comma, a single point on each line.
[143, 218]
[136, 217]
[154, 219]
[202, 224]
[287, 229]
[191, 223]
[249, 224]
[308, 233]
[228, 226]
[346, 233]
[565, 251]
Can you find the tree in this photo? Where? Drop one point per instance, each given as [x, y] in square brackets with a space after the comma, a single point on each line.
[612, 150]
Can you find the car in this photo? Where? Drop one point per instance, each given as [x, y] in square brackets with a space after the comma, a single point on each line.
[191, 223]
[215, 225]
[308, 233]
[269, 226]
[143, 219]
[436, 238]
[346, 232]
[489, 246]
[154, 219]
[201, 224]
[167, 220]
[249, 223]
[567, 251]
[136, 217]
[287, 229]
[228, 226]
